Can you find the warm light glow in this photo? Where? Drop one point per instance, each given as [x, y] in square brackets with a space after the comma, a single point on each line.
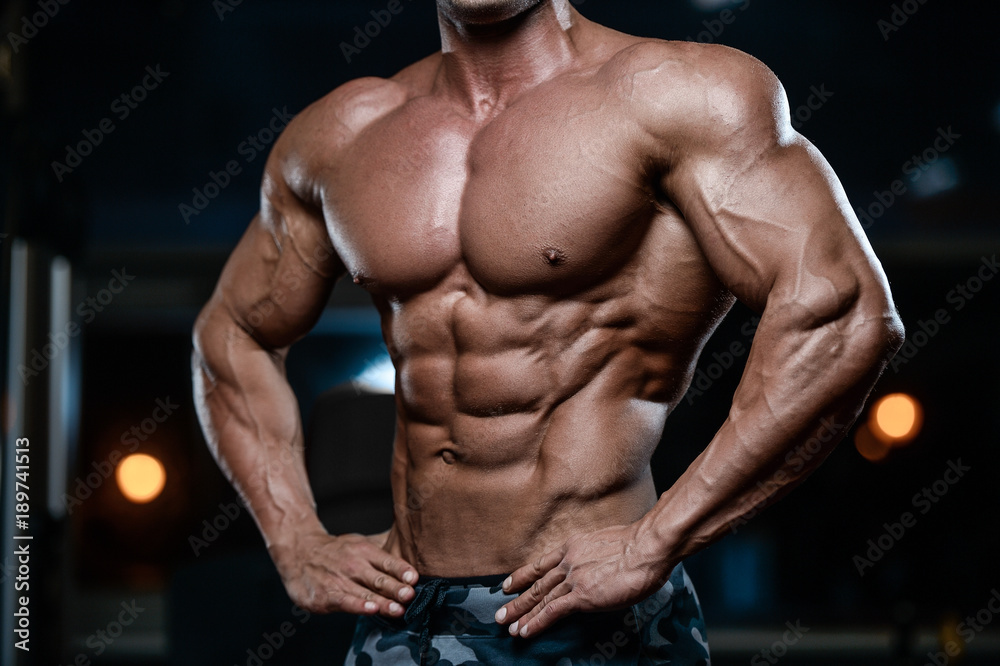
[896, 418]
[141, 478]
[869, 446]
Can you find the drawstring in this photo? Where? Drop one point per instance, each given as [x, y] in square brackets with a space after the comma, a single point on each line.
[429, 599]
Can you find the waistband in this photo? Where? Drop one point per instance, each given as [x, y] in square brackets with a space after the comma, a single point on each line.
[492, 580]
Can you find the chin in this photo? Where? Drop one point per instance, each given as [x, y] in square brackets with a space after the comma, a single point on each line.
[485, 11]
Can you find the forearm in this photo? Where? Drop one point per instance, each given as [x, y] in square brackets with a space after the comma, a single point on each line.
[251, 421]
[803, 387]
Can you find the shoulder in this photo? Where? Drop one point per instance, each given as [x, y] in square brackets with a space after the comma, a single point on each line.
[685, 91]
[350, 108]
[335, 119]
[316, 136]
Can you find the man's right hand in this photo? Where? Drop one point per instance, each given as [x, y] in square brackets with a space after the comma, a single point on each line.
[351, 573]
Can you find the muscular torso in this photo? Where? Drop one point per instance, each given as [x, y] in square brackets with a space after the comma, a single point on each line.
[542, 302]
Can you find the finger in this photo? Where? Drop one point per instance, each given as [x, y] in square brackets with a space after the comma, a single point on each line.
[353, 598]
[555, 605]
[397, 567]
[373, 602]
[529, 573]
[388, 585]
[386, 574]
[382, 591]
[517, 608]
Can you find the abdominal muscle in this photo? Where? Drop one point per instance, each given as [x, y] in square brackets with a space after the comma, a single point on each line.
[521, 421]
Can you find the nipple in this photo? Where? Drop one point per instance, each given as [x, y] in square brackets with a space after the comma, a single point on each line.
[554, 256]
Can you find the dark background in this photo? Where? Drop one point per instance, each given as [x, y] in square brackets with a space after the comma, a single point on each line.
[889, 94]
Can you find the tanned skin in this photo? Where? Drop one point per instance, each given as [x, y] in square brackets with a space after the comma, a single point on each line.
[551, 217]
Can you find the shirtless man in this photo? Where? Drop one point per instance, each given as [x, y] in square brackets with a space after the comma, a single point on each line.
[551, 217]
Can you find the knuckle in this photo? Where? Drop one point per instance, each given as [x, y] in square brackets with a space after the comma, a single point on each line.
[309, 604]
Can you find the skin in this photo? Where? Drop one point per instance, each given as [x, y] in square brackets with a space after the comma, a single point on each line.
[551, 218]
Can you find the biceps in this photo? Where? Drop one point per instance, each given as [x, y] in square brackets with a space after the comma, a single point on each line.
[278, 280]
[778, 227]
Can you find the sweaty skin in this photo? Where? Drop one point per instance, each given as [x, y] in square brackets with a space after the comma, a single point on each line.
[551, 218]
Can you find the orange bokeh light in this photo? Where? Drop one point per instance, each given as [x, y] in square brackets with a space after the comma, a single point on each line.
[141, 478]
[896, 419]
[869, 446]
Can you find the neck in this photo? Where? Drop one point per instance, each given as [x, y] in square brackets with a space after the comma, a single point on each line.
[490, 57]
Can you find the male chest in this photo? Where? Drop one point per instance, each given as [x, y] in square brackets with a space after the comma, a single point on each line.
[546, 197]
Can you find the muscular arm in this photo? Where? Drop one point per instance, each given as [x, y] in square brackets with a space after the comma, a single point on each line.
[271, 292]
[773, 221]
[776, 226]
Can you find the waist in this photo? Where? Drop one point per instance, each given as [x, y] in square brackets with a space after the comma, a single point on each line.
[473, 526]
[465, 606]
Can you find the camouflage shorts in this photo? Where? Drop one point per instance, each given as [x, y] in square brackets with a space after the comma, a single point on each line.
[450, 622]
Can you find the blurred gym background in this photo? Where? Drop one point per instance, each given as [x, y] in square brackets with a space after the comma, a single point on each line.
[132, 141]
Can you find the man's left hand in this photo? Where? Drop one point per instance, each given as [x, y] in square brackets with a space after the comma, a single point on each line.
[596, 571]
